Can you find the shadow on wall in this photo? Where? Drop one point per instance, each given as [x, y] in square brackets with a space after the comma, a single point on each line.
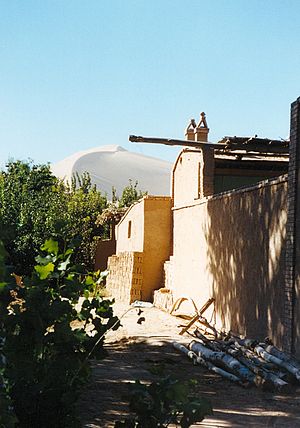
[105, 249]
[246, 254]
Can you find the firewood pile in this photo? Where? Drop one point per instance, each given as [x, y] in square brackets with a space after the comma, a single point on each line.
[244, 361]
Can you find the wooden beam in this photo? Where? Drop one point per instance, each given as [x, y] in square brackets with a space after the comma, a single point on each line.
[223, 147]
[171, 142]
[198, 316]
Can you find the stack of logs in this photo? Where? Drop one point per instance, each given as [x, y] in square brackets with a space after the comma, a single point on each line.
[244, 361]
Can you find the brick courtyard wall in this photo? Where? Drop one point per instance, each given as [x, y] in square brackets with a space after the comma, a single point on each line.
[231, 246]
[292, 281]
[125, 279]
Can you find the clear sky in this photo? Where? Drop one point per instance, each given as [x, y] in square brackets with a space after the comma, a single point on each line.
[76, 74]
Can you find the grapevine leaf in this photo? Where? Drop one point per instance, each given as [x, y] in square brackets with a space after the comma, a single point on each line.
[44, 271]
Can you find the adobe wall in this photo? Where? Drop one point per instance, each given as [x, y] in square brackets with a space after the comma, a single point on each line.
[193, 175]
[146, 228]
[187, 183]
[231, 246]
[157, 242]
[133, 239]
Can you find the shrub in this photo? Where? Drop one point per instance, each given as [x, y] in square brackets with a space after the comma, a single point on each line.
[164, 402]
[46, 342]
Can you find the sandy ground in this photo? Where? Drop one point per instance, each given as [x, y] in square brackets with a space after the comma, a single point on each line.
[134, 348]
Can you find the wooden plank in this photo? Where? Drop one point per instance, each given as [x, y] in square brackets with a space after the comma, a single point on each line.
[198, 316]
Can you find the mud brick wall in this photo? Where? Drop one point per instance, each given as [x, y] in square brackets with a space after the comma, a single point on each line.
[125, 279]
[231, 246]
[292, 274]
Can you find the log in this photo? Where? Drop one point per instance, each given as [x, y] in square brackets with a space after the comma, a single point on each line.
[207, 364]
[247, 343]
[212, 344]
[254, 358]
[280, 363]
[265, 379]
[224, 360]
[282, 356]
[179, 347]
[262, 378]
[206, 324]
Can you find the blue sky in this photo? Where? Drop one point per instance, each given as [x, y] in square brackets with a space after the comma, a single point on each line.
[77, 74]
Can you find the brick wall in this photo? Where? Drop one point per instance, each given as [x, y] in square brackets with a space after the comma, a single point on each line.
[125, 279]
[291, 287]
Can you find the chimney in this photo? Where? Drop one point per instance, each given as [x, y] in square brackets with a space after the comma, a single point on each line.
[190, 130]
[201, 130]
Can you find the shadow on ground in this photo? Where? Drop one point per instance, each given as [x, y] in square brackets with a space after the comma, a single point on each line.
[105, 398]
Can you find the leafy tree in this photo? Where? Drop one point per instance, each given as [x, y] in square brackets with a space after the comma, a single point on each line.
[130, 194]
[26, 201]
[85, 203]
[118, 206]
[34, 205]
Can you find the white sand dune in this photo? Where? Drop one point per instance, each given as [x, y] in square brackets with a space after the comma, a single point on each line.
[112, 165]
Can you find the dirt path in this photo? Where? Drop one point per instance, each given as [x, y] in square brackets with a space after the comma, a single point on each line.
[134, 348]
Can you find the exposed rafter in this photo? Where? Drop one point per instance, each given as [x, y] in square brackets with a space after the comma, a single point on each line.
[243, 145]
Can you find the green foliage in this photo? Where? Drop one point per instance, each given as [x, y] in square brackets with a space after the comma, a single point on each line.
[27, 199]
[7, 416]
[35, 205]
[118, 206]
[84, 205]
[130, 194]
[46, 342]
[164, 402]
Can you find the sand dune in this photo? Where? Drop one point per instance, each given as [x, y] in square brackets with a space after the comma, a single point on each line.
[114, 166]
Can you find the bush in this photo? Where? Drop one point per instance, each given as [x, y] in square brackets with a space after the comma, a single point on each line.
[45, 342]
[164, 402]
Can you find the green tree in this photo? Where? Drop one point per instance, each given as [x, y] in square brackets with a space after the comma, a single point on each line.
[85, 203]
[130, 194]
[34, 205]
[118, 206]
[29, 197]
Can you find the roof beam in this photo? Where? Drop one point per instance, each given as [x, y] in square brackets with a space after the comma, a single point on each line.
[227, 145]
[171, 142]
